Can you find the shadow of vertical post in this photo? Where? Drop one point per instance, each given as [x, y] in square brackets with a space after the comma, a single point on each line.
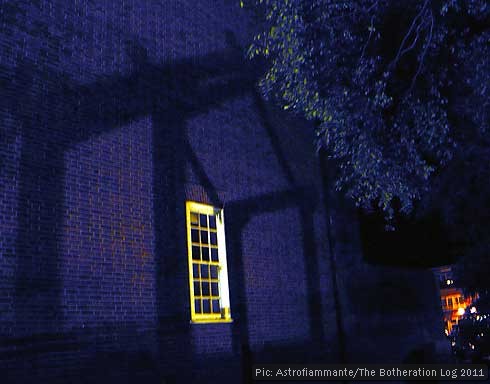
[312, 272]
[40, 205]
[327, 175]
[169, 219]
[40, 221]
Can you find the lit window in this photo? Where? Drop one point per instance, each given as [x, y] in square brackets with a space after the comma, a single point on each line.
[208, 274]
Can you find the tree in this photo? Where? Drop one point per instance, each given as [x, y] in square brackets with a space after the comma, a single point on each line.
[398, 90]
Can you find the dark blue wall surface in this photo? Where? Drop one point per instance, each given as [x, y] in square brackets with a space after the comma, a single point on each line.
[113, 114]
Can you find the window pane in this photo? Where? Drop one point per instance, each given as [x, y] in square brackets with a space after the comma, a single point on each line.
[214, 271]
[195, 270]
[214, 254]
[195, 253]
[204, 237]
[206, 306]
[204, 271]
[213, 238]
[203, 222]
[194, 218]
[194, 235]
[216, 308]
[205, 253]
[197, 288]
[214, 289]
[197, 306]
[205, 288]
[212, 222]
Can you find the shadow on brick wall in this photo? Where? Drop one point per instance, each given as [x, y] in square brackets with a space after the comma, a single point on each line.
[54, 114]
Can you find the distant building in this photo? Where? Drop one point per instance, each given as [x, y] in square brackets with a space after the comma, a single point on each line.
[453, 299]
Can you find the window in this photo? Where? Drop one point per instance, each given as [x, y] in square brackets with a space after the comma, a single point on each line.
[450, 302]
[208, 274]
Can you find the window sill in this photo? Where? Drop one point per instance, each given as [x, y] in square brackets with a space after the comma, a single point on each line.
[211, 321]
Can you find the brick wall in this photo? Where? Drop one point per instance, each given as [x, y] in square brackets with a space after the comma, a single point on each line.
[113, 114]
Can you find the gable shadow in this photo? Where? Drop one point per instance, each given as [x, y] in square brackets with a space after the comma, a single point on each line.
[55, 114]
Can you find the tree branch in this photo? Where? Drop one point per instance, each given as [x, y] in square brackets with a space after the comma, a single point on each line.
[424, 52]
[407, 35]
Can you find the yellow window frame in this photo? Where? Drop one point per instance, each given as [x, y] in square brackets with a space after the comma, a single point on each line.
[224, 316]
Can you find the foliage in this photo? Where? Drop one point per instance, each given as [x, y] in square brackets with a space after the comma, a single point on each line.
[398, 90]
